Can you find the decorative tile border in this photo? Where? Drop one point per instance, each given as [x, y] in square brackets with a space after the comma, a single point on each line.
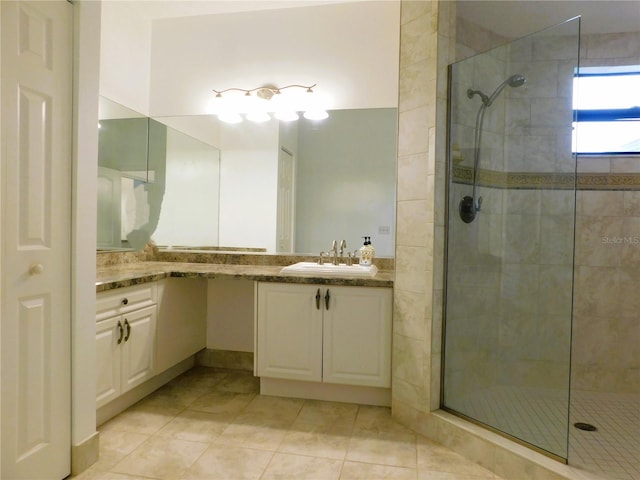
[552, 181]
[609, 181]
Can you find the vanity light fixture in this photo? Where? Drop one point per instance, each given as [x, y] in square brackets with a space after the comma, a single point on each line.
[261, 103]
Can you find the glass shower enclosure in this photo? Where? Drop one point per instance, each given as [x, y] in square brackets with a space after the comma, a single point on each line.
[510, 238]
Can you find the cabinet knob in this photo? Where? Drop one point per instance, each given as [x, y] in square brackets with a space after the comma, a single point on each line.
[318, 297]
[125, 300]
[327, 297]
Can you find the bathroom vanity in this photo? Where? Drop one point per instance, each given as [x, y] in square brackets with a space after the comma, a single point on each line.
[126, 321]
[313, 336]
[321, 333]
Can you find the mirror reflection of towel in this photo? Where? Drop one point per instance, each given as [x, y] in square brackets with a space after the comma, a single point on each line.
[148, 200]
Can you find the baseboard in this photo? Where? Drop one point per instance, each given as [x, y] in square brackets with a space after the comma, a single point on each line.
[325, 391]
[124, 401]
[210, 357]
[85, 454]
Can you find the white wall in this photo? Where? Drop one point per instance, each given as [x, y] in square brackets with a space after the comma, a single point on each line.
[230, 314]
[125, 55]
[205, 128]
[85, 174]
[351, 50]
[248, 184]
[190, 207]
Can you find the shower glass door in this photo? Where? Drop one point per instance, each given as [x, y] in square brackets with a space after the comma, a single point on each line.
[510, 238]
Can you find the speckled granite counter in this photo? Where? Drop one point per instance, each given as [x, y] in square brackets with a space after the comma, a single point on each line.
[127, 274]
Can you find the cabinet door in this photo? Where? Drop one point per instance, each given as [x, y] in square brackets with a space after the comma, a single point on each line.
[108, 360]
[138, 347]
[357, 336]
[289, 332]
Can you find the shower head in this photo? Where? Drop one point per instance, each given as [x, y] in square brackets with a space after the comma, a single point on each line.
[470, 206]
[513, 81]
[516, 80]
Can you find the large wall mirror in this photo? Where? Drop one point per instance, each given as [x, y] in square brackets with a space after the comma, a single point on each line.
[131, 176]
[276, 187]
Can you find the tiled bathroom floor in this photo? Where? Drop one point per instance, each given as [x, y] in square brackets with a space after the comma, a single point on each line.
[213, 424]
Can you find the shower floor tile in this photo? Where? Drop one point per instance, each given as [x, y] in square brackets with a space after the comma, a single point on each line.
[613, 450]
[539, 416]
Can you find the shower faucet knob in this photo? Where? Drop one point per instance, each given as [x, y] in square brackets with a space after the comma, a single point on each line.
[467, 209]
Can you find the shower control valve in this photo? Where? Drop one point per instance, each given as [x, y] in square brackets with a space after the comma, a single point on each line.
[468, 208]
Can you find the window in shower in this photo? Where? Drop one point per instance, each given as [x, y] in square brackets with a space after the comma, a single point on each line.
[606, 103]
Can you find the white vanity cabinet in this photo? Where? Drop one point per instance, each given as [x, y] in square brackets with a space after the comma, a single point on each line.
[125, 340]
[324, 333]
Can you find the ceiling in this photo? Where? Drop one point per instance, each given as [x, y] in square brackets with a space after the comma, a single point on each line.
[520, 17]
[349, 49]
[507, 18]
[154, 9]
[355, 63]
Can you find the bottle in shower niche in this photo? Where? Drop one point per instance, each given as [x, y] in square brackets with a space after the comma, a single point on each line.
[366, 252]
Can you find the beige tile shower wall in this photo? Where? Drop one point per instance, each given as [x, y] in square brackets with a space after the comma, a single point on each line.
[513, 265]
[473, 290]
[471, 39]
[539, 114]
[535, 292]
[424, 55]
[606, 351]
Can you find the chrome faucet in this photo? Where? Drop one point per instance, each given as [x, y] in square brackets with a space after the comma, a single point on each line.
[343, 246]
[322, 254]
[334, 251]
[350, 259]
[337, 255]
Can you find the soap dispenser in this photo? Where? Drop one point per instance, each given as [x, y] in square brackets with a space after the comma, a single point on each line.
[367, 252]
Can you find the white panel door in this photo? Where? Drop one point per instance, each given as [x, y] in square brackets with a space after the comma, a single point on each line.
[289, 321]
[109, 208]
[285, 213]
[357, 336]
[36, 236]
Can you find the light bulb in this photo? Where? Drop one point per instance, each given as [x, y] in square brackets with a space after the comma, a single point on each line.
[286, 116]
[229, 117]
[258, 117]
[316, 114]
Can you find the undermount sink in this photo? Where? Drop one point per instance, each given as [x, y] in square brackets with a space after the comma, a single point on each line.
[331, 270]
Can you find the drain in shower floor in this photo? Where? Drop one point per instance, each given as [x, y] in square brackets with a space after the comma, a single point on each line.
[587, 427]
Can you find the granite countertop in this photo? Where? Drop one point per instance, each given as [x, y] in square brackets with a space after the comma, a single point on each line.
[128, 274]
